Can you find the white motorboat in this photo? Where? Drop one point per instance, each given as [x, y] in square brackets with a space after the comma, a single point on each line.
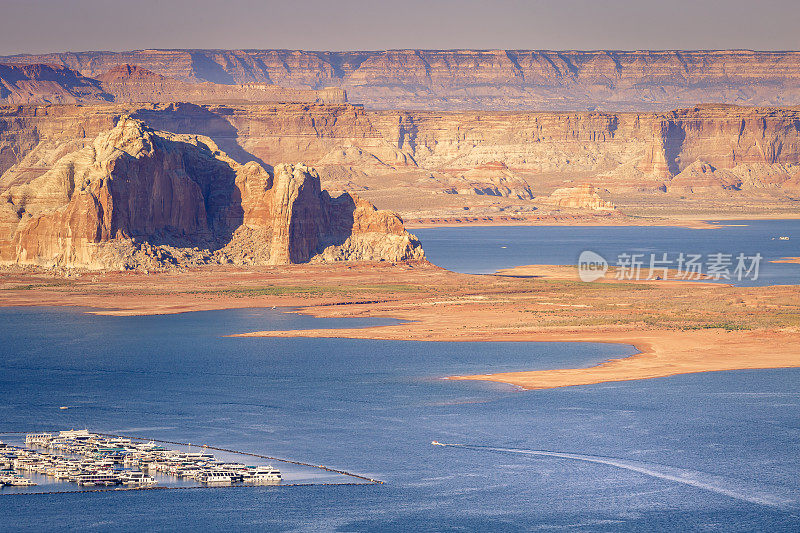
[262, 474]
[136, 478]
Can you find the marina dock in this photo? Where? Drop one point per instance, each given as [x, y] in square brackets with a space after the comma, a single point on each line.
[96, 460]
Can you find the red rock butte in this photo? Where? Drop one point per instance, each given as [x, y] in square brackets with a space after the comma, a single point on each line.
[140, 198]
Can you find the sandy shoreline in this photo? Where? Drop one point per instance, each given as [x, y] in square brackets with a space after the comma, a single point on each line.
[661, 353]
[676, 327]
[794, 260]
[583, 221]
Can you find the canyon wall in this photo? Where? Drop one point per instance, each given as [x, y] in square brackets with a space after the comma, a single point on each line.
[426, 155]
[630, 146]
[480, 79]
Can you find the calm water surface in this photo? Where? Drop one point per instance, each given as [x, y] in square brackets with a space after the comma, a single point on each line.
[483, 250]
[713, 451]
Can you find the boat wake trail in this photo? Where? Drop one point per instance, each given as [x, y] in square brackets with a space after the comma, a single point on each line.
[777, 497]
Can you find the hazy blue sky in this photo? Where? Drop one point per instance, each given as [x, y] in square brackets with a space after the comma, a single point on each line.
[53, 25]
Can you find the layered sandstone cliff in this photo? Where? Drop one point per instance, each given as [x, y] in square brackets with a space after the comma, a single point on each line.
[136, 197]
[481, 79]
[405, 160]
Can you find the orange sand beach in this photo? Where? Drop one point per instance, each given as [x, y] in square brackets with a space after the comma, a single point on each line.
[661, 353]
[677, 327]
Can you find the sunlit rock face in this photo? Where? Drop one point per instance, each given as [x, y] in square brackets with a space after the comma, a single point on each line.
[139, 198]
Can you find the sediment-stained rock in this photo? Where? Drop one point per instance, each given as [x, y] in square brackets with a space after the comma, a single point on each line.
[490, 179]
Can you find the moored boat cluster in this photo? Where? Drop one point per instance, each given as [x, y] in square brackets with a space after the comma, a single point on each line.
[93, 460]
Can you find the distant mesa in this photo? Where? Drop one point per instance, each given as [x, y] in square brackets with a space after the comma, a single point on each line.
[540, 80]
[132, 83]
[128, 73]
[47, 84]
[137, 198]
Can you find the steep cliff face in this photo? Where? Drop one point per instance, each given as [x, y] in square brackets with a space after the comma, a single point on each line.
[481, 79]
[300, 222]
[136, 196]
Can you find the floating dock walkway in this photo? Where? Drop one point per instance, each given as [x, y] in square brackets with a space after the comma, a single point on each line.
[277, 459]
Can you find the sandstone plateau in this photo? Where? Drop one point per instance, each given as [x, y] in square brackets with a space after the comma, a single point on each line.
[480, 79]
[134, 197]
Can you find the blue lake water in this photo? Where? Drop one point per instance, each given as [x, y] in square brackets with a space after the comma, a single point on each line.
[482, 250]
[712, 451]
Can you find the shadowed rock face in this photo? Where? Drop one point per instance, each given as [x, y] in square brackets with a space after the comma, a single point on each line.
[306, 224]
[49, 84]
[136, 197]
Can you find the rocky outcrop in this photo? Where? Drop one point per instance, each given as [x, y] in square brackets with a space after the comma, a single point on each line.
[702, 177]
[47, 84]
[481, 79]
[304, 223]
[489, 179]
[583, 197]
[135, 197]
